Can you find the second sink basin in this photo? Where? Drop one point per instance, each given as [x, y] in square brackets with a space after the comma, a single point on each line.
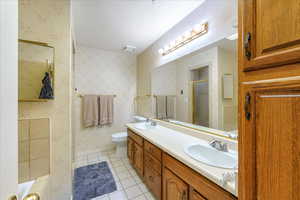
[143, 126]
[211, 156]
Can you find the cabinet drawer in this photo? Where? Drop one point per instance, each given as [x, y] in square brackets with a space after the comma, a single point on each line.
[205, 187]
[151, 162]
[153, 150]
[138, 139]
[153, 181]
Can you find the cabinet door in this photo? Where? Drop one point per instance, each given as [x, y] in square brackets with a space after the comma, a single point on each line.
[269, 143]
[270, 33]
[153, 181]
[173, 187]
[138, 158]
[130, 149]
[194, 195]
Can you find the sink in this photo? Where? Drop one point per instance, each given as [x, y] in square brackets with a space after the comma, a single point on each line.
[143, 126]
[211, 156]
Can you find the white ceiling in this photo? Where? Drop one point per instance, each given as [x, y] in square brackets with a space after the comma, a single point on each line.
[112, 24]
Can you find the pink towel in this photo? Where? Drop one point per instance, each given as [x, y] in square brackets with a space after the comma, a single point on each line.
[106, 109]
[90, 110]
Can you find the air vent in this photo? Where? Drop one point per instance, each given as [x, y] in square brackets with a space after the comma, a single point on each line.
[129, 49]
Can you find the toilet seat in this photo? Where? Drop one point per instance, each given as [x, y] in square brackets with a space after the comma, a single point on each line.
[119, 137]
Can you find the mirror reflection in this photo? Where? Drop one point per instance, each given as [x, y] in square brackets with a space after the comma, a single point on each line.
[36, 71]
[200, 90]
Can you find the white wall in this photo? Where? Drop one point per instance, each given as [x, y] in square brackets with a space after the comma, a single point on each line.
[103, 72]
[9, 97]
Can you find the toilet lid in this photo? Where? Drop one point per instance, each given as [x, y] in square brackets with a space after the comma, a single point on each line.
[119, 135]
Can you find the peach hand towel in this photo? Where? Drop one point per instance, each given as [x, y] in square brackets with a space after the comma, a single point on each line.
[90, 110]
[106, 109]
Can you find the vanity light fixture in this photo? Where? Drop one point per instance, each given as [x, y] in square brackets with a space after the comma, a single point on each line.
[188, 36]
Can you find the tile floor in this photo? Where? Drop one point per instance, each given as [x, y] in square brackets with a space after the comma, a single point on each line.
[129, 185]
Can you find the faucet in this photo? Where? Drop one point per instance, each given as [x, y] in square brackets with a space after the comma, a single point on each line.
[152, 122]
[219, 145]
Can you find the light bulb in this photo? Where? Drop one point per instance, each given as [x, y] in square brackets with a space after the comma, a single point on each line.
[161, 51]
[172, 44]
[197, 28]
[187, 34]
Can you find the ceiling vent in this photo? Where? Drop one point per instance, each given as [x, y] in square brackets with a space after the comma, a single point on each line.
[129, 49]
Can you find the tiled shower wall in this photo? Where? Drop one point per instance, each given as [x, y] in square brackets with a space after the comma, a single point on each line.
[34, 148]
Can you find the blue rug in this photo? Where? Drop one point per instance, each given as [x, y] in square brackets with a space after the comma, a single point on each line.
[92, 181]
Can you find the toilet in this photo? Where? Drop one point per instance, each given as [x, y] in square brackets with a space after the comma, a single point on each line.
[120, 140]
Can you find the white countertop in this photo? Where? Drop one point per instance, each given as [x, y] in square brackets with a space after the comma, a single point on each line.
[173, 142]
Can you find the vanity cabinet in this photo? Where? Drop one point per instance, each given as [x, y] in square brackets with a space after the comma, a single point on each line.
[168, 178]
[135, 152]
[196, 182]
[153, 168]
[194, 195]
[174, 187]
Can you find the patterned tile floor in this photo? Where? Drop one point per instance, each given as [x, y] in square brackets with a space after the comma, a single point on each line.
[129, 185]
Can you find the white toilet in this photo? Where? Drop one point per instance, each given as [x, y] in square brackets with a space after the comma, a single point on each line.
[120, 140]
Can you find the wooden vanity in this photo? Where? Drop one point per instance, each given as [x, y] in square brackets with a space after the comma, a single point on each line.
[168, 178]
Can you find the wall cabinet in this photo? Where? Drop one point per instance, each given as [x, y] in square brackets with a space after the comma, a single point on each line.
[269, 99]
[271, 142]
[270, 32]
[166, 177]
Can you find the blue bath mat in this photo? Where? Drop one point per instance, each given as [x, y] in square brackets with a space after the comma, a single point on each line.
[92, 181]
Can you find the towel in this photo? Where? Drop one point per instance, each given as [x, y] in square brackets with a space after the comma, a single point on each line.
[161, 109]
[171, 107]
[90, 110]
[106, 109]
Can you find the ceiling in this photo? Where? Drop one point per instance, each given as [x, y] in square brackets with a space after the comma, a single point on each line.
[112, 24]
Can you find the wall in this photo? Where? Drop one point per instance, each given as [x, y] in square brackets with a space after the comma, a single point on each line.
[103, 72]
[49, 21]
[9, 96]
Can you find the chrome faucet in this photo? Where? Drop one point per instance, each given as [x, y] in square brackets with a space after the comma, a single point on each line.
[219, 145]
[152, 122]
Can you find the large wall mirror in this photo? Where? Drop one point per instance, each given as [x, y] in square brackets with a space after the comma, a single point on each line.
[36, 71]
[199, 90]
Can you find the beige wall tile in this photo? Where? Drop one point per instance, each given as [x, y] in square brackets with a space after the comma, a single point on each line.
[39, 148]
[39, 128]
[23, 172]
[23, 128]
[39, 167]
[24, 151]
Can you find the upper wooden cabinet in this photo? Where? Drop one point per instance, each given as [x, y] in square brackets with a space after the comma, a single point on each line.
[270, 32]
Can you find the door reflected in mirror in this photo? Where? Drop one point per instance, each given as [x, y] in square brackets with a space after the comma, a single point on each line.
[200, 90]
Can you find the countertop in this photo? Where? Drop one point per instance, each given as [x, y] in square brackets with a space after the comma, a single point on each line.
[173, 142]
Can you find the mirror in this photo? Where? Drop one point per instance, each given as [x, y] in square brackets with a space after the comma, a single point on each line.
[199, 90]
[36, 71]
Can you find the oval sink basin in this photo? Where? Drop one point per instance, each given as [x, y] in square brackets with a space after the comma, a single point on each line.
[143, 126]
[211, 156]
